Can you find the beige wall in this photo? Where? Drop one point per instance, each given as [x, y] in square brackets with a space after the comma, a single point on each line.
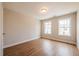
[1, 29]
[19, 27]
[54, 35]
[78, 28]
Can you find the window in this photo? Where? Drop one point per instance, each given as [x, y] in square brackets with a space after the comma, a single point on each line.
[47, 27]
[65, 27]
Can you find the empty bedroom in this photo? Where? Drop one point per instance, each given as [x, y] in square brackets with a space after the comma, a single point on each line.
[40, 28]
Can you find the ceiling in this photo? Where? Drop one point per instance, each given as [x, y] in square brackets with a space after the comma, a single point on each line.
[33, 8]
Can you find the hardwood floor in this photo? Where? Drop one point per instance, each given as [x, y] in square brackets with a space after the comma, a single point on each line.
[42, 47]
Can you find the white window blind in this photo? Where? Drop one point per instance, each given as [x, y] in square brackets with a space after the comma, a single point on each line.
[47, 27]
[65, 27]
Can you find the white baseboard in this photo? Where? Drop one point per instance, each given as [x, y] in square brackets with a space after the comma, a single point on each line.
[6, 46]
[56, 39]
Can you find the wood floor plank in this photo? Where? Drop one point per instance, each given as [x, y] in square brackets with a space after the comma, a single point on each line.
[42, 47]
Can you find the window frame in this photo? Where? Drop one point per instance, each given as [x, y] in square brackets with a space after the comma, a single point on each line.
[65, 27]
[46, 30]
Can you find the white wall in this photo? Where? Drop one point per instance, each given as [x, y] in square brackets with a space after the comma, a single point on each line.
[78, 28]
[1, 29]
[19, 27]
